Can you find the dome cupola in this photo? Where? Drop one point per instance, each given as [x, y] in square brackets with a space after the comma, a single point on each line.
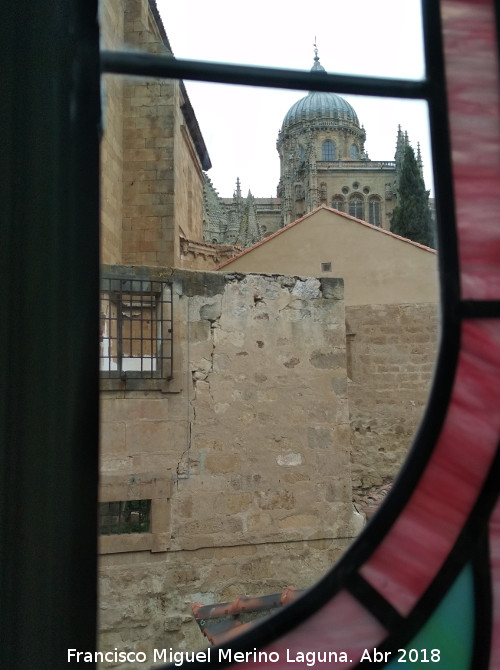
[319, 106]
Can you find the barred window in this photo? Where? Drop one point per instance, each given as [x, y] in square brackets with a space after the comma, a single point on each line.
[129, 516]
[136, 329]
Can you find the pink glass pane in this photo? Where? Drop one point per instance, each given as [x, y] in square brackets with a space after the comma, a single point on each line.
[342, 625]
[473, 98]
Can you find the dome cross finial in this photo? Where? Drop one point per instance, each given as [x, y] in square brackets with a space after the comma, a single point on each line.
[317, 67]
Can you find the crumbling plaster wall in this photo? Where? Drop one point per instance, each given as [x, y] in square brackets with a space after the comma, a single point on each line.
[270, 415]
[253, 434]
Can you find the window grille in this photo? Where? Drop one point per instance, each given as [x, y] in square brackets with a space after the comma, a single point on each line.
[129, 516]
[136, 329]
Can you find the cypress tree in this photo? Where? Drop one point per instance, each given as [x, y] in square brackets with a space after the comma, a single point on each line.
[412, 217]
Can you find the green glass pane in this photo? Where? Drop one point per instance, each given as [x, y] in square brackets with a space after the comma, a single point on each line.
[449, 631]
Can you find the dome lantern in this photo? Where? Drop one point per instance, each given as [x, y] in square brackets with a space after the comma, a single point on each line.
[320, 105]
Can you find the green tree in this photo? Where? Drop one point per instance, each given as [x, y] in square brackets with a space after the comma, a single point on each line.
[412, 217]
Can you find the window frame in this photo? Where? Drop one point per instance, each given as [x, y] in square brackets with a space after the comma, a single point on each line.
[374, 204]
[357, 206]
[50, 414]
[338, 200]
[432, 90]
[150, 292]
[328, 151]
[144, 486]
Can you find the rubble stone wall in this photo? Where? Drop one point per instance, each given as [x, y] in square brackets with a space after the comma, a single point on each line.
[391, 354]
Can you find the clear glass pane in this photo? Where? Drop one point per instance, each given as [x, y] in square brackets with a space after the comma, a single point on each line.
[293, 392]
[255, 117]
[382, 39]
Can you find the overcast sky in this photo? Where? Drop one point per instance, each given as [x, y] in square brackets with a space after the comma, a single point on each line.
[240, 124]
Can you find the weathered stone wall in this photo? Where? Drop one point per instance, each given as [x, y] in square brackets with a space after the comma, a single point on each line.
[145, 599]
[188, 203]
[111, 22]
[391, 354]
[149, 108]
[148, 177]
[152, 180]
[253, 433]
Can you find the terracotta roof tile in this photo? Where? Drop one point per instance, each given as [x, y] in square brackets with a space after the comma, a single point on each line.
[220, 622]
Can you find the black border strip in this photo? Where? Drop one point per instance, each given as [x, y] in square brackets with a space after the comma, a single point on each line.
[496, 6]
[480, 309]
[483, 606]
[464, 550]
[374, 602]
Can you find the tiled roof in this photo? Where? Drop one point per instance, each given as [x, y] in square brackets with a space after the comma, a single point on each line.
[309, 214]
[220, 622]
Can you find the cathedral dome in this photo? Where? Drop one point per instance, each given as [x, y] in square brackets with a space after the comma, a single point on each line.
[320, 105]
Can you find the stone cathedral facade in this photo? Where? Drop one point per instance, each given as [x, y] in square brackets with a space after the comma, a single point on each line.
[321, 147]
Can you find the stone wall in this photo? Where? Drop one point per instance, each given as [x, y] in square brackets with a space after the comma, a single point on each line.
[252, 435]
[149, 110]
[152, 153]
[188, 204]
[111, 22]
[391, 354]
[145, 599]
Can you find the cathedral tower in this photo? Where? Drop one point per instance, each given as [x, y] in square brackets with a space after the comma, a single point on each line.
[321, 146]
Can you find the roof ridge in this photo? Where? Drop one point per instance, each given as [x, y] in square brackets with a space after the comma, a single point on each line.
[314, 211]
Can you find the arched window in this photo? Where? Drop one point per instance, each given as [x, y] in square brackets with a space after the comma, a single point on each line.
[338, 203]
[356, 206]
[328, 151]
[374, 211]
[354, 152]
[302, 153]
